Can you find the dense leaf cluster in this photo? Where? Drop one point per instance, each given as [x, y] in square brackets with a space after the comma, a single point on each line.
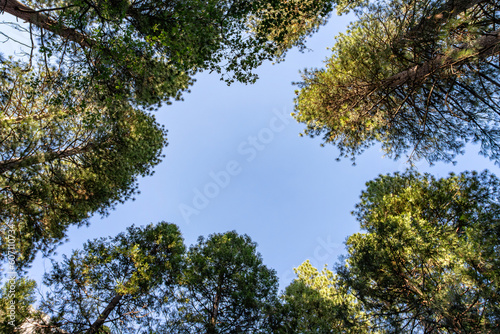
[226, 289]
[419, 77]
[116, 282]
[429, 258]
[63, 158]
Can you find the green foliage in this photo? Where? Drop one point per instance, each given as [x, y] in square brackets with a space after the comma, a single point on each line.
[148, 50]
[429, 259]
[316, 302]
[225, 287]
[16, 298]
[417, 77]
[131, 274]
[288, 23]
[144, 279]
[65, 157]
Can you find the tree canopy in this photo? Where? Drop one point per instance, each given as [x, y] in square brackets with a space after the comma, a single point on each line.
[144, 281]
[317, 302]
[225, 288]
[115, 282]
[419, 77]
[147, 51]
[428, 260]
[76, 132]
[64, 158]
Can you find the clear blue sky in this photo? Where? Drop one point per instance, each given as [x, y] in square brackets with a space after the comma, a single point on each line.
[235, 162]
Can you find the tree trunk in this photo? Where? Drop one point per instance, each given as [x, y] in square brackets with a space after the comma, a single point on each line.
[113, 303]
[215, 307]
[215, 311]
[43, 21]
[484, 46]
[104, 315]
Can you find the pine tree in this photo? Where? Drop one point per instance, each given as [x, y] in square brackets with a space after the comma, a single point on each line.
[427, 260]
[418, 77]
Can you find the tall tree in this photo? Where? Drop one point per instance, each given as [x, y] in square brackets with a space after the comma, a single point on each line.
[64, 158]
[115, 282]
[420, 77]
[317, 302]
[429, 259]
[225, 288]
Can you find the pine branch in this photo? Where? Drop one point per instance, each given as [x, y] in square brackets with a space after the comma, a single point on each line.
[440, 15]
[14, 163]
[43, 21]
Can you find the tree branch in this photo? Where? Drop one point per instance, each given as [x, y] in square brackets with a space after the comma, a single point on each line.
[43, 21]
[104, 315]
[440, 15]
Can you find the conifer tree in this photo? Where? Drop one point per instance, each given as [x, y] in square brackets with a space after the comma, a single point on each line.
[428, 258]
[418, 77]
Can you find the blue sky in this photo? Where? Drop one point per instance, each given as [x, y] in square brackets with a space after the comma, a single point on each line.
[235, 161]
